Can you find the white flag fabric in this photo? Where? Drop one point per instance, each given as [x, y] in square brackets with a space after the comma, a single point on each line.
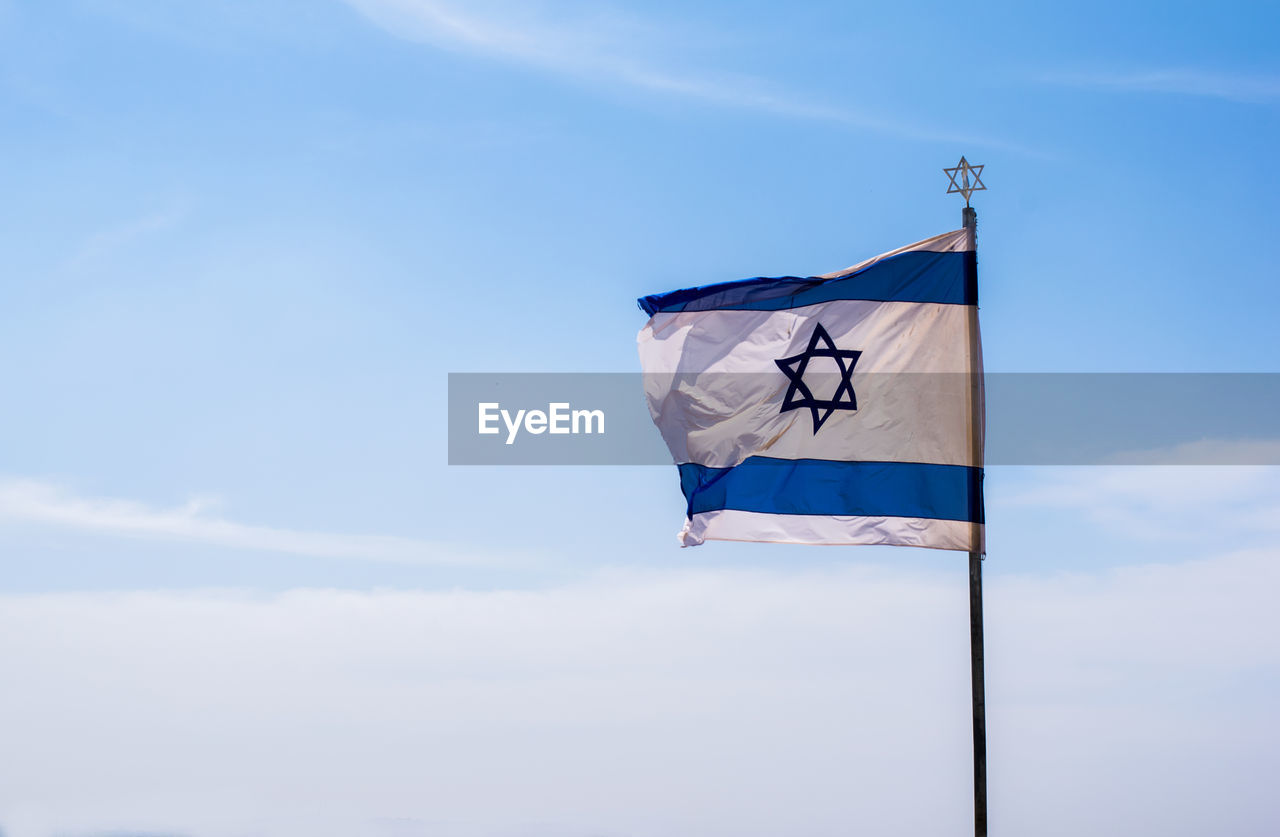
[835, 409]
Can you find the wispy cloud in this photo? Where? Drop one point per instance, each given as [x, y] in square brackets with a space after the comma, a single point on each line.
[1167, 502]
[33, 501]
[587, 44]
[603, 46]
[1254, 89]
[108, 240]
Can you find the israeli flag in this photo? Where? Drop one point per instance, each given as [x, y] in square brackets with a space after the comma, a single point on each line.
[835, 409]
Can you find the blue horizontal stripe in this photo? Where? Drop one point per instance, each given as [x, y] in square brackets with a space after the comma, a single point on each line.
[914, 276]
[825, 487]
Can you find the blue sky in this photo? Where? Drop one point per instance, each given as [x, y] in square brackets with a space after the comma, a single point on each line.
[247, 241]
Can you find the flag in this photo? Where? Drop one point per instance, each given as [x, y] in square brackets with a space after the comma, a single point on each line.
[837, 409]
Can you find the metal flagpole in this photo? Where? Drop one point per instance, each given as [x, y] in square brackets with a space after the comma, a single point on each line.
[966, 179]
[979, 696]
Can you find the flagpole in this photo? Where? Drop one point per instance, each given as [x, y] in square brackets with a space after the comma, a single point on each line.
[969, 219]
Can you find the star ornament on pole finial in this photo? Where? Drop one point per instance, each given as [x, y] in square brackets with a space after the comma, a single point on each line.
[965, 179]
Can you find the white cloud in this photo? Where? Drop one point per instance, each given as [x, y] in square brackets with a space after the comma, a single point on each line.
[1227, 503]
[581, 42]
[602, 46]
[1258, 88]
[42, 503]
[708, 703]
[1206, 452]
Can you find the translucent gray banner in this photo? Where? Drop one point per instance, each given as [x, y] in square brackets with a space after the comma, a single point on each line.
[1032, 418]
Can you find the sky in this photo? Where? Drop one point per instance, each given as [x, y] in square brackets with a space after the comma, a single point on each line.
[245, 243]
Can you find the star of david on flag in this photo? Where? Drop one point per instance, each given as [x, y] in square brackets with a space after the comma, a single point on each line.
[836, 409]
[799, 395]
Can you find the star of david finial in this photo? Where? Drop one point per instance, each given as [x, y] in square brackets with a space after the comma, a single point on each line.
[965, 179]
[800, 396]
